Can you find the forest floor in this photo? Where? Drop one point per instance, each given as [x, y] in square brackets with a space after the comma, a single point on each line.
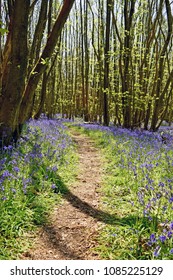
[73, 228]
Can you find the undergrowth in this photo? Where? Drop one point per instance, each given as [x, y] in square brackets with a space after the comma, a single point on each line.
[32, 180]
[137, 193]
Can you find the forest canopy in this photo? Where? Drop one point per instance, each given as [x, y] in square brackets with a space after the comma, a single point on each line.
[105, 61]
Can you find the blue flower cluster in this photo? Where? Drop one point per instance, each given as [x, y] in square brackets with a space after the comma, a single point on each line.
[29, 178]
[43, 143]
[146, 159]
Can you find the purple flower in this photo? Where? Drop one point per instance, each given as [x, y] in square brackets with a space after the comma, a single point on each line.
[171, 251]
[169, 234]
[6, 174]
[158, 195]
[152, 238]
[54, 168]
[162, 238]
[53, 186]
[13, 190]
[171, 225]
[16, 169]
[171, 199]
[161, 184]
[25, 189]
[156, 251]
[2, 189]
[148, 206]
[10, 147]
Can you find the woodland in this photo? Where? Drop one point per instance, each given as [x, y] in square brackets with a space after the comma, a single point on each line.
[84, 77]
[106, 61]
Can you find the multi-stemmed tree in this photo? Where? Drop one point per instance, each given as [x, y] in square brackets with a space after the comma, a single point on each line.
[18, 86]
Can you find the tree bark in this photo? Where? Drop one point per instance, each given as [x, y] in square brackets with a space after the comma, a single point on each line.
[126, 91]
[14, 70]
[106, 65]
[39, 32]
[159, 93]
[26, 105]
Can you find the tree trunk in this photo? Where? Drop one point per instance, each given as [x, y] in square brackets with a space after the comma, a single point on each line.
[106, 65]
[39, 32]
[129, 8]
[159, 92]
[26, 106]
[14, 71]
[16, 99]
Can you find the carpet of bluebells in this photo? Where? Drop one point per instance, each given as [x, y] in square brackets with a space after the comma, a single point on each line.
[138, 187]
[138, 192]
[30, 180]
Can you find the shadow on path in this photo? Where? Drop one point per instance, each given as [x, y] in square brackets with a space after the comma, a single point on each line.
[55, 241]
[89, 210]
[54, 237]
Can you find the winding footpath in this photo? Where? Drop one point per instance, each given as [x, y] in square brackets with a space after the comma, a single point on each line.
[72, 233]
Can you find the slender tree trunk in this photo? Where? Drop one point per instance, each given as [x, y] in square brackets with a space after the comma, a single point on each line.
[86, 111]
[159, 95]
[26, 105]
[39, 32]
[106, 65]
[129, 8]
[43, 96]
[82, 58]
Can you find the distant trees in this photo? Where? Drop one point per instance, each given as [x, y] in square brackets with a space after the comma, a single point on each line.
[128, 58]
[111, 61]
[107, 62]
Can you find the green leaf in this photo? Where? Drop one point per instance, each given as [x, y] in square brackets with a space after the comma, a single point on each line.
[3, 31]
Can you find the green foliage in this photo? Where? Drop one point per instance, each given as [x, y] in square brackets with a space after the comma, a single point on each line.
[137, 196]
[33, 178]
[3, 31]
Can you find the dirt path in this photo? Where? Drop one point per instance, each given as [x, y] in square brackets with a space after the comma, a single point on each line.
[75, 223]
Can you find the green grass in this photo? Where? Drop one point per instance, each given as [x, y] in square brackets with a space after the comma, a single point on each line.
[137, 190]
[127, 231]
[40, 170]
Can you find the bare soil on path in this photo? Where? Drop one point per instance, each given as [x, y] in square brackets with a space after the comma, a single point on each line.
[72, 232]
